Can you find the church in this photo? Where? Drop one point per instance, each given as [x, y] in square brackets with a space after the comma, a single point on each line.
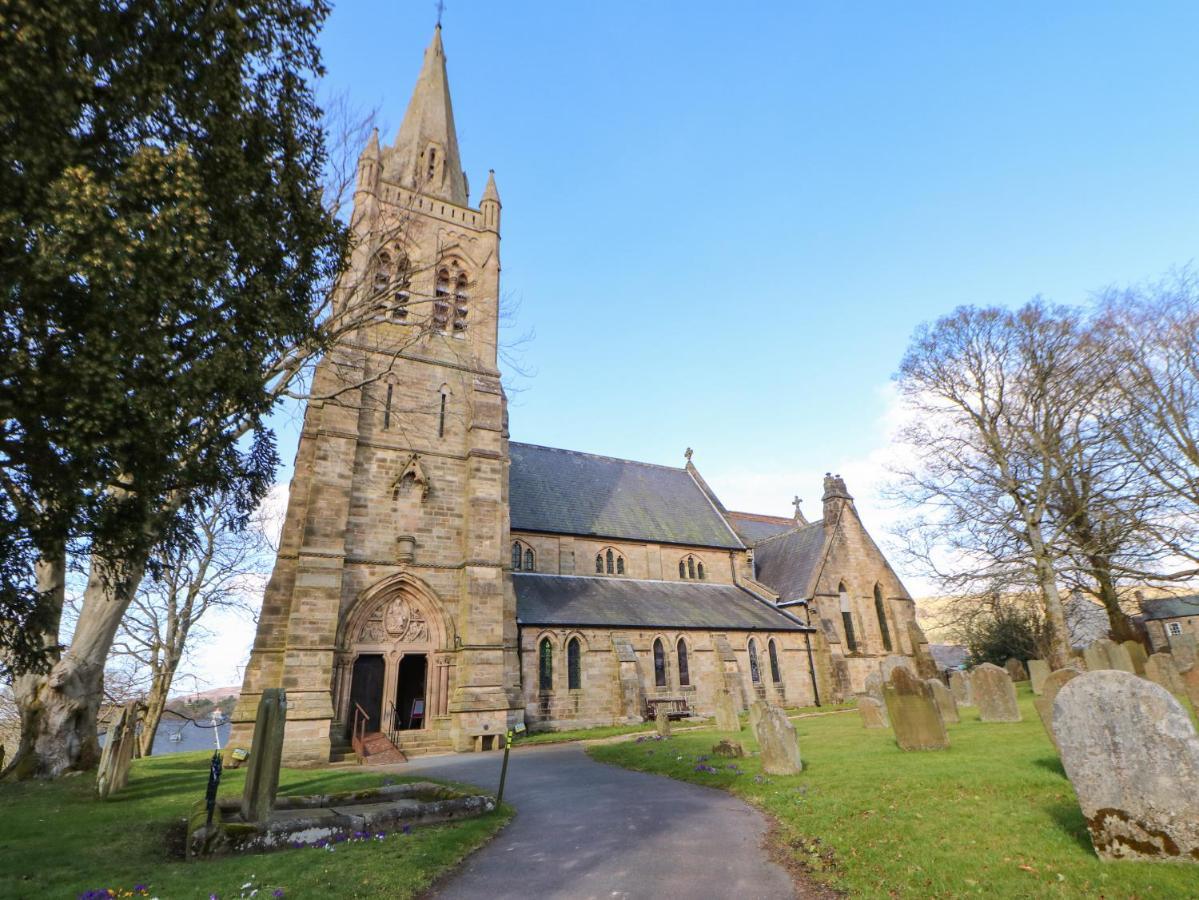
[438, 583]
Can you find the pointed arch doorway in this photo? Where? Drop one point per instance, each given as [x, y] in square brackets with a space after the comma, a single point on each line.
[395, 657]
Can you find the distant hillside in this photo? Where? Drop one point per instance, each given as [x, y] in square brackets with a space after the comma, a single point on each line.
[213, 694]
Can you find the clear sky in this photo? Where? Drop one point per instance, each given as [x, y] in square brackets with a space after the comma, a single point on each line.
[723, 221]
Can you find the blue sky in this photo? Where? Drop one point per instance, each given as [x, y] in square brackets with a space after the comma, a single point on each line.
[724, 221]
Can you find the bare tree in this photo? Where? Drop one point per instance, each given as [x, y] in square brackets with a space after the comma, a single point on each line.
[221, 564]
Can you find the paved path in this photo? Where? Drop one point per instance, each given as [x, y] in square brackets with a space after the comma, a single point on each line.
[586, 830]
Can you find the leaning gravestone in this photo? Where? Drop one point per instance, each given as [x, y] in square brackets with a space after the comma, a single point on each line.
[1160, 669]
[1038, 671]
[779, 744]
[874, 689]
[266, 751]
[874, 714]
[1184, 650]
[726, 713]
[1132, 754]
[662, 721]
[117, 756]
[1136, 652]
[1049, 691]
[959, 686]
[757, 709]
[1095, 657]
[1119, 658]
[994, 694]
[895, 661]
[1016, 670]
[945, 702]
[913, 712]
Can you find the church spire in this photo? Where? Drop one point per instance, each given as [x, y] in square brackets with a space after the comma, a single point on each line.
[425, 156]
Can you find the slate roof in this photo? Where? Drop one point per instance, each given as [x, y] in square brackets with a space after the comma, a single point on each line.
[631, 603]
[786, 562]
[752, 527]
[1171, 607]
[567, 492]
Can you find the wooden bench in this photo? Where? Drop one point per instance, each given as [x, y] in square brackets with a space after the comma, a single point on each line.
[676, 707]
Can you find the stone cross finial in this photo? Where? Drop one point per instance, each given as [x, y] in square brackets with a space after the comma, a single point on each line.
[687, 453]
[796, 503]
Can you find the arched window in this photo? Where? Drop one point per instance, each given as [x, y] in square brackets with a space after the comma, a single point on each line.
[599, 564]
[847, 619]
[684, 671]
[517, 556]
[574, 677]
[880, 610]
[609, 560]
[620, 565]
[432, 163]
[775, 675]
[659, 663]
[523, 558]
[530, 561]
[682, 569]
[382, 279]
[699, 570]
[754, 672]
[690, 566]
[460, 305]
[441, 299]
[545, 666]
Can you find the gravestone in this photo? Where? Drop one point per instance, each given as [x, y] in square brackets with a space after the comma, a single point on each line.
[1136, 652]
[1190, 681]
[1183, 649]
[262, 775]
[874, 713]
[756, 710]
[913, 712]
[1119, 658]
[726, 713]
[728, 749]
[1095, 658]
[779, 744]
[1044, 704]
[874, 690]
[994, 694]
[1160, 669]
[117, 756]
[662, 721]
[1038, 671]
[1132, 754]
[1016, 670]
[895, 661]
[945, 702]
[959, 686]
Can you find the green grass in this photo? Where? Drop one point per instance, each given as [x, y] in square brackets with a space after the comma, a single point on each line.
[993, 816]
[57, 840]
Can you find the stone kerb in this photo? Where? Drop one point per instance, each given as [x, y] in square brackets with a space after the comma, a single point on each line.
[1038, 671]
[945, 702]
[1016, 670]
[1132, 755]
[994, 694]
[1049, 691]
[778, 743]
[959, 686]
[913, 711]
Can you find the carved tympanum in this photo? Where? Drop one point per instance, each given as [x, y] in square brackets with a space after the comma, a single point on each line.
[399, 621]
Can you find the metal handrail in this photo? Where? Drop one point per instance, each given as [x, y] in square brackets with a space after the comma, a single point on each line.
[358, 731]
[393, 733]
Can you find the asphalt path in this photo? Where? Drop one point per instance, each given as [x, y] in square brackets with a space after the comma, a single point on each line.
[586, 830]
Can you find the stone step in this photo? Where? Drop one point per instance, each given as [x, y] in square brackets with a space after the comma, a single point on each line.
[379, 751]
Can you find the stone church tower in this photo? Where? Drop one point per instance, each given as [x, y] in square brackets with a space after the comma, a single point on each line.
[389, 599]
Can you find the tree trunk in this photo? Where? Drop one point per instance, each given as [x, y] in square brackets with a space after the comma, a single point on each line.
[1055, 613]
[1121, 627]
[59, 735]
[156, 702]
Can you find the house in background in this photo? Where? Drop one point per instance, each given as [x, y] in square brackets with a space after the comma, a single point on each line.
[1167, 617]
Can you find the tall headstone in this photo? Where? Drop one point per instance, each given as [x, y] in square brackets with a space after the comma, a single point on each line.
[756, 710]
[117, 756]
[895, 661]
[1119, 658]
[726, 712]
[945, 702]
[1160, 669]
[994, 694]
[842, 685]
[1136, 652]
[262, 774]
[1038, 671]
[1184, 650]
[874, 690]
[913, 711]
[1016, 670]
[1132, 754]
[873, 713]
[1044, 703]
[778, 743]
[662, 721]
[959, 686]
[1095, 657]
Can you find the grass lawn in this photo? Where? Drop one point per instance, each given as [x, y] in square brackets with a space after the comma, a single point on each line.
[56, 840]
[994, 816]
